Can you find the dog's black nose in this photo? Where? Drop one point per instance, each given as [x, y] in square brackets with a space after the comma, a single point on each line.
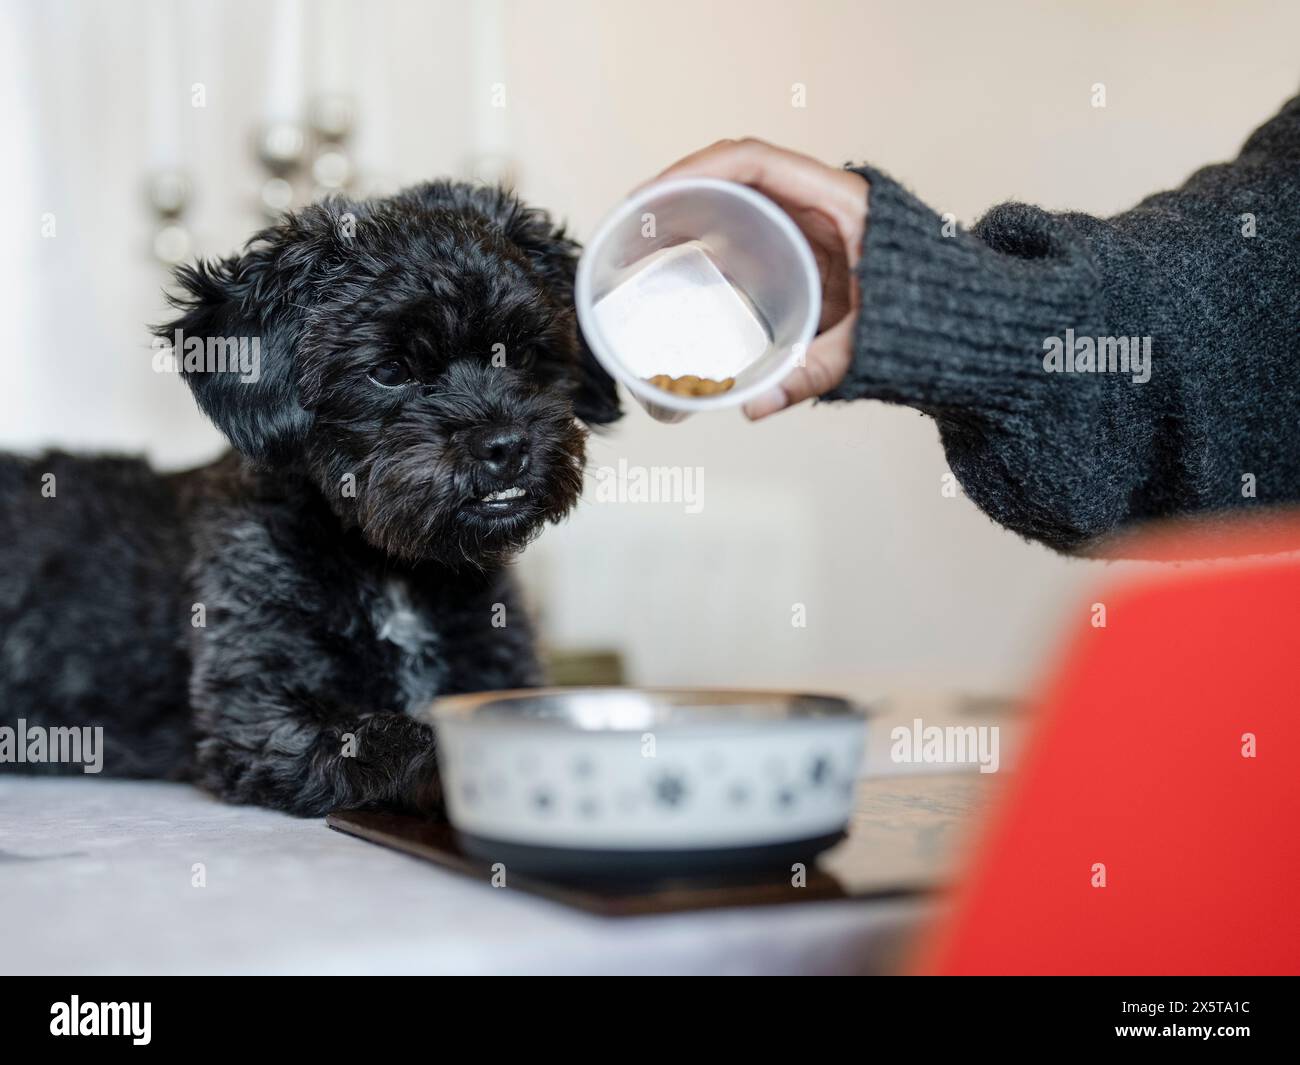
[502, 449]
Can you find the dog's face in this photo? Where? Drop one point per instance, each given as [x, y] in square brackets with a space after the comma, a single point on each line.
[419, 361]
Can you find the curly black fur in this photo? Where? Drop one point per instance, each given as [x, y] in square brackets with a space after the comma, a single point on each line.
[346, 564]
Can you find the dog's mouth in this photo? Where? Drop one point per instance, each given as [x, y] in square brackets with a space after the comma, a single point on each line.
[505, 495]
[501, 503]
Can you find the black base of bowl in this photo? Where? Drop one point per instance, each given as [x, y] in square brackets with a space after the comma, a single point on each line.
[572, 863]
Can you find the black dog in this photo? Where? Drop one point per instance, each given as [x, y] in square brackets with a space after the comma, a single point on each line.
[263, 624]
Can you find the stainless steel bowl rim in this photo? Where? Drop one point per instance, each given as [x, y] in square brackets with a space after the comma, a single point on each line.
[818, 709]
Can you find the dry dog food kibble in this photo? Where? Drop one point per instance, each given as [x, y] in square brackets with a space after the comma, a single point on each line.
[679, 318]
[690, 385]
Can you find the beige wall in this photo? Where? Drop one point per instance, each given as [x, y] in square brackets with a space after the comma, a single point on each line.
[840, 509]
[837, 509]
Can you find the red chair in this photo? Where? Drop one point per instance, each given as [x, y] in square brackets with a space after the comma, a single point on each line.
[1166, 766]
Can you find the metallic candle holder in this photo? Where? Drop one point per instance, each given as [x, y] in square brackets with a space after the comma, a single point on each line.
[333, 116]
[281, 149]
[168, 191]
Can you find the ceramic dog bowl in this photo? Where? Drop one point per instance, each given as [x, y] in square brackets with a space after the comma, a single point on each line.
[619, 781]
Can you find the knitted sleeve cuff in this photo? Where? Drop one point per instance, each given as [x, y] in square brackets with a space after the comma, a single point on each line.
[954, 320]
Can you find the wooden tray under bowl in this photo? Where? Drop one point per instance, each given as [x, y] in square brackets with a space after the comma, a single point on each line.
[901, 840]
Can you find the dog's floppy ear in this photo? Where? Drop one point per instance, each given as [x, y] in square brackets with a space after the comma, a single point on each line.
[596, 397]
[233, 343]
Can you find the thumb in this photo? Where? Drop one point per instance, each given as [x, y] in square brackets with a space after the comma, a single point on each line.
[827, 362]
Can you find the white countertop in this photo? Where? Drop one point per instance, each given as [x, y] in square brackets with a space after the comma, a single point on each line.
[96, 877]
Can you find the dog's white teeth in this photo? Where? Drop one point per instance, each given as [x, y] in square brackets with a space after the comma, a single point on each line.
[505, 493]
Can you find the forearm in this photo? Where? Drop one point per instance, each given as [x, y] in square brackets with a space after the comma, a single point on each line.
[963, 325]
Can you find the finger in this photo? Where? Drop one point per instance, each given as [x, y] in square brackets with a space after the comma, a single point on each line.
[798, 181]
[795, 180]
[727, 158]
[768, 403]
[827, 362]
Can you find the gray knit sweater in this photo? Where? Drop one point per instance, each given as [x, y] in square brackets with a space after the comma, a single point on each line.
[971, 328]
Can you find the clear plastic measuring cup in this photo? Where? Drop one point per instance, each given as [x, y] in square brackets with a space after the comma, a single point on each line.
[703, 277]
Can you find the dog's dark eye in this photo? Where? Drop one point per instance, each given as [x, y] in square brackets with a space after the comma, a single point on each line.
[390, 374]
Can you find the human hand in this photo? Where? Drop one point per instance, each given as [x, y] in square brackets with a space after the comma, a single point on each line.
[830, 207]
